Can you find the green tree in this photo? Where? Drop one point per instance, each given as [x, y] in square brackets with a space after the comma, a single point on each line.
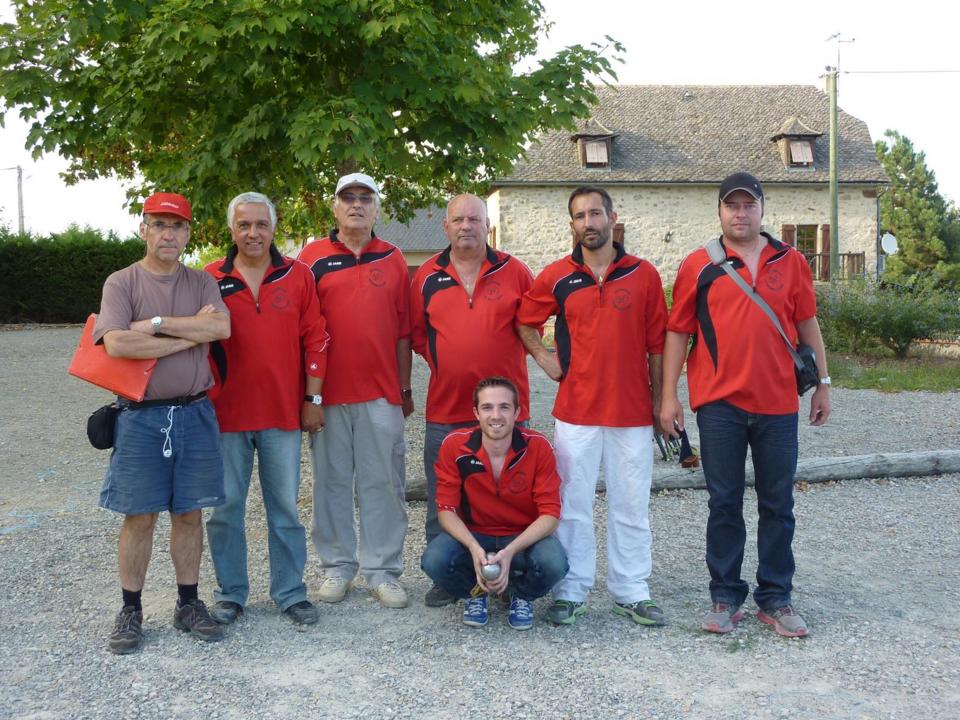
[213, 97]
[926, 226]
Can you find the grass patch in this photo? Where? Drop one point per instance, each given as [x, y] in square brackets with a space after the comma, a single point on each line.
[936, 374]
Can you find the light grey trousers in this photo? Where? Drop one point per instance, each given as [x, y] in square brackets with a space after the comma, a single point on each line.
[360, 454]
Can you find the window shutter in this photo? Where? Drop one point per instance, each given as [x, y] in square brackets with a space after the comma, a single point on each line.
[788, 233]
[618, 233]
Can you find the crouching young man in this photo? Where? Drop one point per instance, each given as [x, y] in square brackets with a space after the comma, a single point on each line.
[498, 493]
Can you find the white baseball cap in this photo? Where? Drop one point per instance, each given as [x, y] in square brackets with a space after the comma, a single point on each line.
[357, 179]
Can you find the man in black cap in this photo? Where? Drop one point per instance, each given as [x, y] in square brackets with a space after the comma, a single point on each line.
[741, 381]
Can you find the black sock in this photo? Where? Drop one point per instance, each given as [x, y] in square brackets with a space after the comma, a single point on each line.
[187, 593]
[131, 598]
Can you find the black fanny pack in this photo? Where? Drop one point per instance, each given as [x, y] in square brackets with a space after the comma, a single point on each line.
[102, 425]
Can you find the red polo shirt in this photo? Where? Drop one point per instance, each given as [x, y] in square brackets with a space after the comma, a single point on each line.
[274, 339]
[365, 302]
[738, 355]
[603, 333]
[464, 340]
[529, 485]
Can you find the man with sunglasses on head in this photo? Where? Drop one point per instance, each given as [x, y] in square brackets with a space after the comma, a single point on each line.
[364, 292]
[166, 454]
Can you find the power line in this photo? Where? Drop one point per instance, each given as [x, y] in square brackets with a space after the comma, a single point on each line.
[897, 72]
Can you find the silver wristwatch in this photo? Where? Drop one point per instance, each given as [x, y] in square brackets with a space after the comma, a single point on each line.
[314, 399]
[156, 321]
[825, 380]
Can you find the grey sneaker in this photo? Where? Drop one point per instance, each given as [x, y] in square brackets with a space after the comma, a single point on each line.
[194, 618]
[565, 612]
[785, 620]
[438, 597]
[127, 631]
[643, 612]
[722, 618]
[226, 612]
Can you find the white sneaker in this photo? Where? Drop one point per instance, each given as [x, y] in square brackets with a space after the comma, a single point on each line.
[333, 589]
[391, 594]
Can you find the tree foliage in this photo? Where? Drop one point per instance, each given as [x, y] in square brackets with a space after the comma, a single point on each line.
[926, 226]
[214, 97]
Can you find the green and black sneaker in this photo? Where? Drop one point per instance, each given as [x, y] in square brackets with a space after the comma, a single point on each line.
[644, 612]
[566, 612]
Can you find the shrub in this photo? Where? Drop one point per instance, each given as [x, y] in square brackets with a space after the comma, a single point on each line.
[861, 313]
[59, 278]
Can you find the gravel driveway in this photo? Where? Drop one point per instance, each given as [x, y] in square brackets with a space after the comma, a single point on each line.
[877, 563]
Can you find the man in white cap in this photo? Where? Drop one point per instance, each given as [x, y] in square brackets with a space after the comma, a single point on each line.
[364, 291]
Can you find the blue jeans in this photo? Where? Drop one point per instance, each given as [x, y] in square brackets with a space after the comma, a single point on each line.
[532, 571]
[725, 433]
[278, 457]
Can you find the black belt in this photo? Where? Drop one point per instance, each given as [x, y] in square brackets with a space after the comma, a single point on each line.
[177, 401]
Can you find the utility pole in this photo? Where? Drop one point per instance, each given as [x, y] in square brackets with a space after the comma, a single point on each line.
[833, 81]
[19, 170]
[20, 197]
[834, 176]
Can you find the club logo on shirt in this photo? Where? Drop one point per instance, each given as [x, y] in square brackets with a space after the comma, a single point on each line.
[622, 299]
[492, 291]
[518, 482]
[774, 280]
[377, 278]
[474, 462]
[279, 299]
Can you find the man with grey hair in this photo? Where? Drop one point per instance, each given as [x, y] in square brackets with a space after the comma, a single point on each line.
[463, 313]
[364, 292]
[269, 375]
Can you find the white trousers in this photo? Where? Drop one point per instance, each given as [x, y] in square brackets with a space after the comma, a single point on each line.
[627, 458]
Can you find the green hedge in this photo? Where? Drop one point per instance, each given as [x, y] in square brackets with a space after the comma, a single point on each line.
[862, 316]
[59, 278]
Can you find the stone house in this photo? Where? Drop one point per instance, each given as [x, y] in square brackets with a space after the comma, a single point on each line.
[661, 152]
[419, 239]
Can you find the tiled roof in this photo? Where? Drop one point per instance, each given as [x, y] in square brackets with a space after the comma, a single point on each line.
[674, 134]
[423, 233]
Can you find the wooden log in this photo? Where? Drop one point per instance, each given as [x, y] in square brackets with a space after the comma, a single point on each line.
[811, 470]
[825, 469]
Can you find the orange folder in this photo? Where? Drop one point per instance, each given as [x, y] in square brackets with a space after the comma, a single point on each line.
[122, 376]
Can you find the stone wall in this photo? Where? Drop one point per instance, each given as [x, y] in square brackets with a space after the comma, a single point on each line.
[664, 223]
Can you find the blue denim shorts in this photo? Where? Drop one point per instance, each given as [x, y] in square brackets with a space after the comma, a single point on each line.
[165, 458]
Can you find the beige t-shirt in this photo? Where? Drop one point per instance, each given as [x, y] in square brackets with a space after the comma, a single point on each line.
[136, 294]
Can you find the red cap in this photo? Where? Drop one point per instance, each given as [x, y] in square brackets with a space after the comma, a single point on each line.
[169, 204]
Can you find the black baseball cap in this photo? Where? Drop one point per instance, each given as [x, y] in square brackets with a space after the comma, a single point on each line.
[741, 181]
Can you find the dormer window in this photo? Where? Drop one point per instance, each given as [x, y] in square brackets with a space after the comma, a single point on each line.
[596, 153]
[801, 153]
[594, 145]
[796, 143]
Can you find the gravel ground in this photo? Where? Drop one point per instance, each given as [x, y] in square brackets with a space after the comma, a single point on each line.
[876, 563]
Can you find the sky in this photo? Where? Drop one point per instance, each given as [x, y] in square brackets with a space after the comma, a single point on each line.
[680, 42]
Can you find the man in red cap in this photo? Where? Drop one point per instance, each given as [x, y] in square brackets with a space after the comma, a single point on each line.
[166, 456]
[740, 375]
[364, 292]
